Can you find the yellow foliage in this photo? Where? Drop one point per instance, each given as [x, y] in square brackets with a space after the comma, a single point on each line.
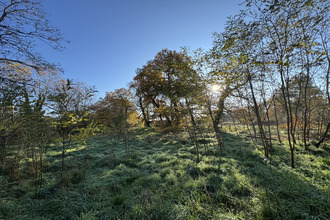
[133, 119]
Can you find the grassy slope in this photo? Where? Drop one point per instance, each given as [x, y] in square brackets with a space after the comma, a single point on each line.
[160, 179]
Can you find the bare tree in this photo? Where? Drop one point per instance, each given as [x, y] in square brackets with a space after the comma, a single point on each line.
[23, 25]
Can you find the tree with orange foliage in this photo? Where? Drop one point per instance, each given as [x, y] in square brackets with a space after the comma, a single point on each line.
[117, 111]
[163, 83]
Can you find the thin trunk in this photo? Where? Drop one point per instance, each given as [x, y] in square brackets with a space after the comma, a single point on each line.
[327, 93]
[41, 162]
[259, 121]
[267, 107]
[287, 118]
[308, 132]
[319, 125]
[248, 127]
[203, 138]
[216, 128]
[292, 158]
[324, 136]
[191, 113]
[169, 122]
[292, 124]
[218, 135]
[177, 116]
[63, 151]
[276, 121]
[3, 145]
[306, 106]
[269, 132]
[193, 138]
[253, 125]
[126, 141]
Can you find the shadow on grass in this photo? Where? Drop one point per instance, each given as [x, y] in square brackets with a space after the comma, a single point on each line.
[283, 192]
[161, 175]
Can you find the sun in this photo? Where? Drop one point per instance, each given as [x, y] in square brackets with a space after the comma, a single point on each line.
[215, 88]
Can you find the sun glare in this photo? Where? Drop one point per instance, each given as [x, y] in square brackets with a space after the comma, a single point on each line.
[215, 88]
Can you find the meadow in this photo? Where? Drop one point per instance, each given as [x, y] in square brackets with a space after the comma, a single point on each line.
[160, 179]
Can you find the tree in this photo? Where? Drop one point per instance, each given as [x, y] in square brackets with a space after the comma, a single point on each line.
[163, 83]
[117, 111]
[69, 106]
[9, 123]
[23, 23]
[325, 36]
[226, 71]
[289, 35]
[25, 131]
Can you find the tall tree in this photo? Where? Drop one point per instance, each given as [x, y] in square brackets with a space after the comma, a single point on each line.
[225, 63]
[324, 41]
[164, 82]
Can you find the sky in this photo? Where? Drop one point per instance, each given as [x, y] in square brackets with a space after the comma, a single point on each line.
[110, 39]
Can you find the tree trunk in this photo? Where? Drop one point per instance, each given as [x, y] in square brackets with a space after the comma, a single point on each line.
[144, 114]
[292, 157]
[306, 105]
[63, 152]
[259, 121]
[288, 115]
[126, 140]
[328, 96]
[215, 122]
[193, 137]
[324, 136]
[218, 135]
[191, 113]
[3, 154]
[276, 121]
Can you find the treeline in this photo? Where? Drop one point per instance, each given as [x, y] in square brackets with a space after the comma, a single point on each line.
[268, 71]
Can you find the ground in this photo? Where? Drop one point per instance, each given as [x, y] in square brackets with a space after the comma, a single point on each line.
[161, 179]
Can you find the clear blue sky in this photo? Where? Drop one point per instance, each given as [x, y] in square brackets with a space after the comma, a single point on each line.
[110, 39]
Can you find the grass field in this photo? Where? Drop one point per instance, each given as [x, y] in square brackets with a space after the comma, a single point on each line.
[160, 179]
